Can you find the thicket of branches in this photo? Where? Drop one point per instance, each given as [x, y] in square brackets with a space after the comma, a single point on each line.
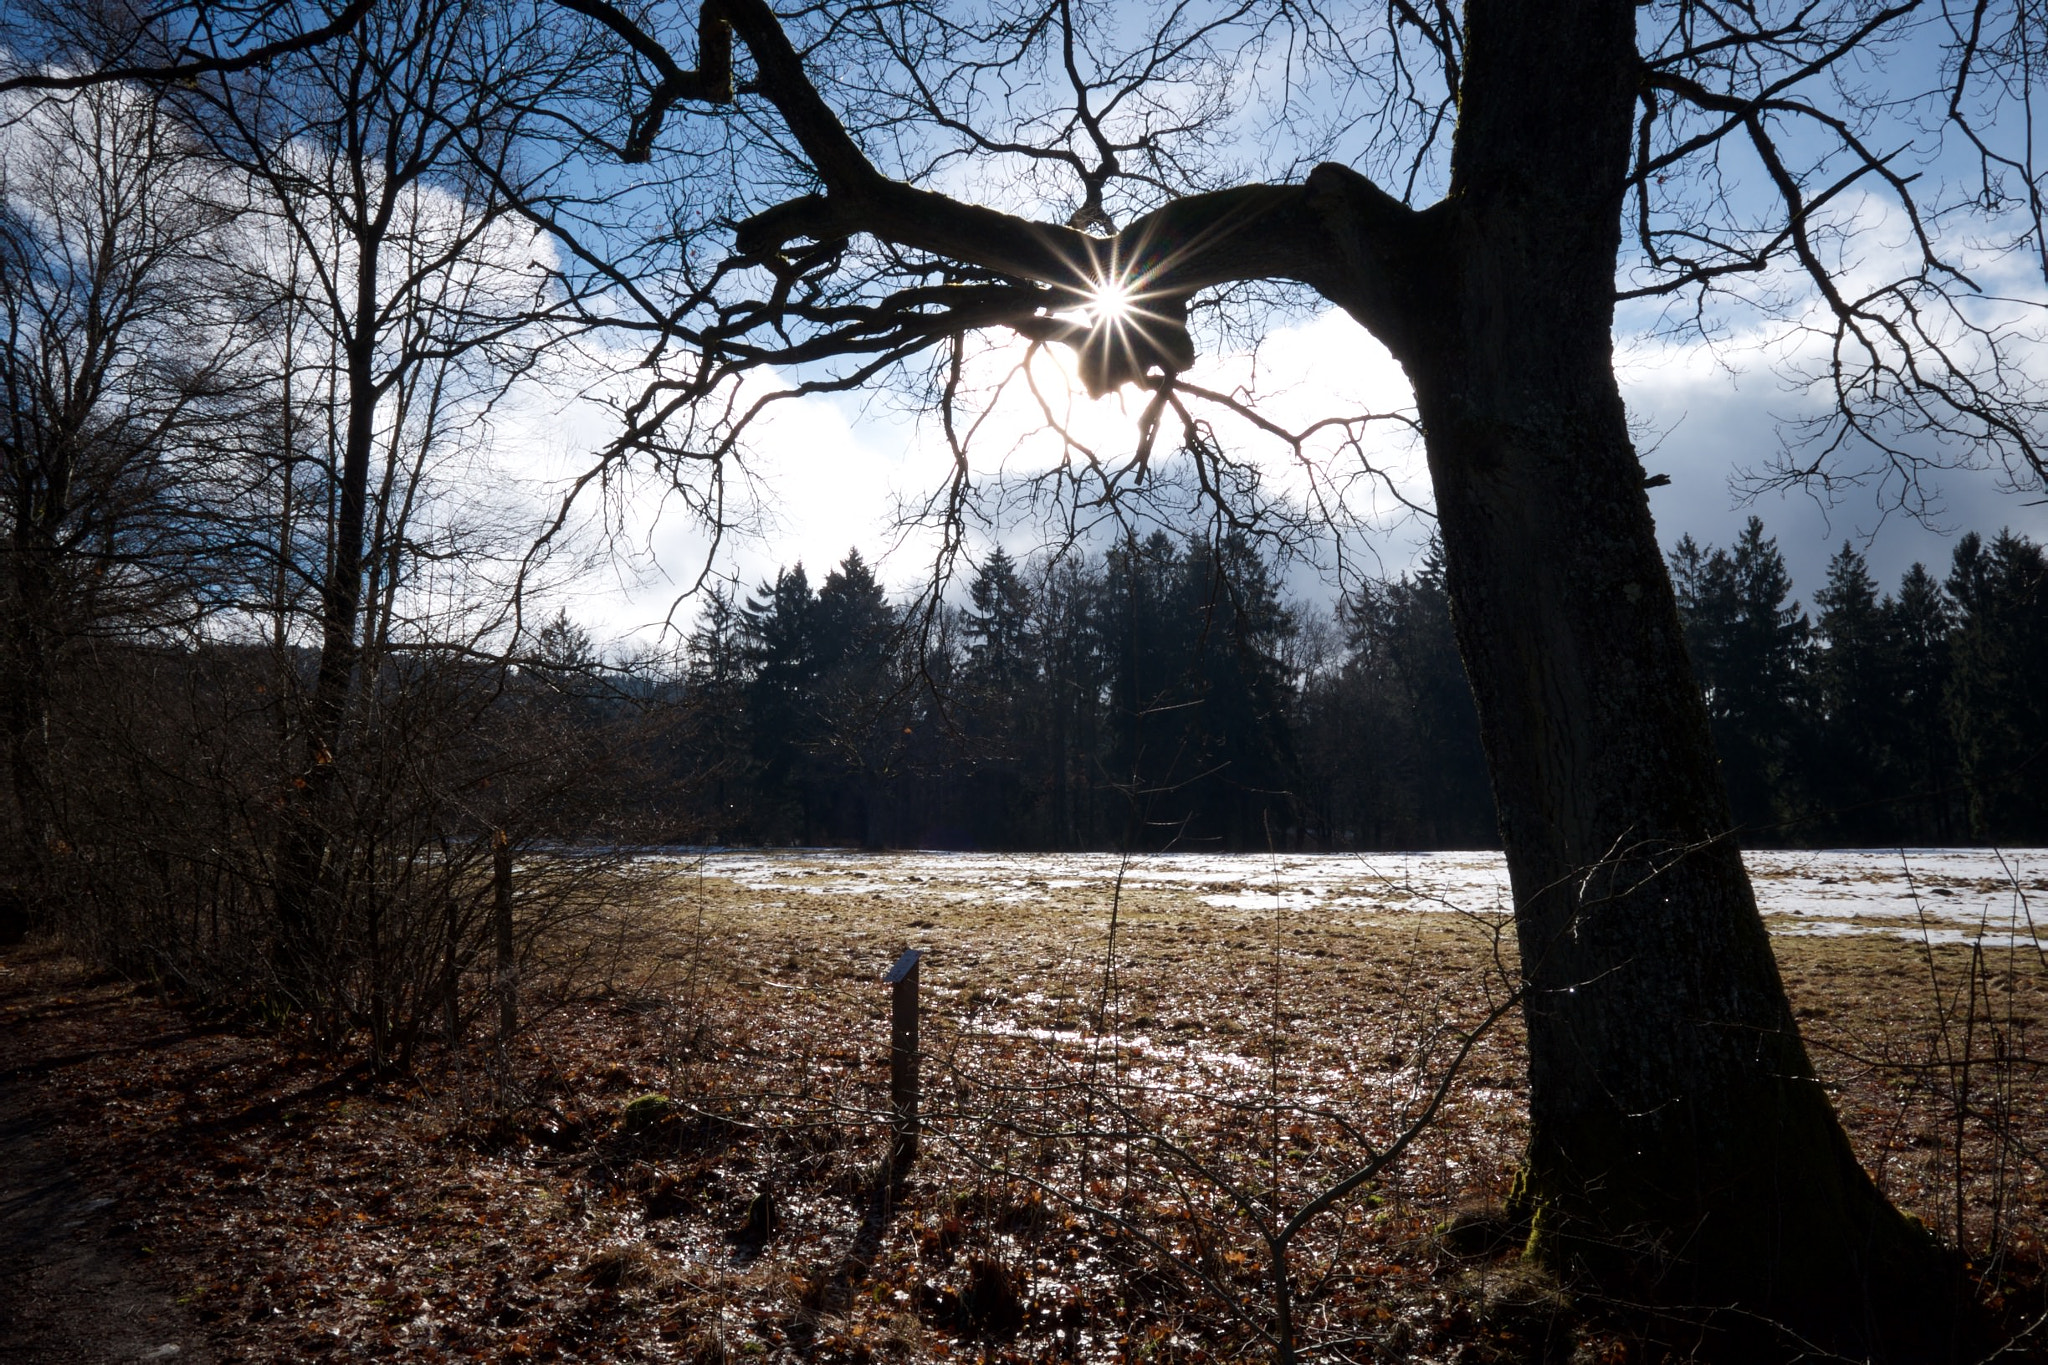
[277, 713]
[277, 729]
[276, 710]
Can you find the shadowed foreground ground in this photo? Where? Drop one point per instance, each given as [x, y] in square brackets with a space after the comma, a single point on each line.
[1102, 1124]
[74, 1284]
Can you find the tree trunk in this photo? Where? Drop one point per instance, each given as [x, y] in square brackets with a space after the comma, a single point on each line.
[28, 646]
[1674, 1114]
[25, 688]
[1681, 1149]
[304, 861]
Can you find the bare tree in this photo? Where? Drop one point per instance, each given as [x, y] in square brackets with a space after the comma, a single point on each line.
[870, 186]
[1681, 1148]
[116, 365]
[381, 165]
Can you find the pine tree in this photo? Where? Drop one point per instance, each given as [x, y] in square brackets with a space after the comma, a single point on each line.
[781, 632]
[713, 746]
[1850, 765]
[1997, 705]
[1235, 739]
[1432, 788]
[1703, 581]
[1146, 637]
[998, 625]
[858, 706]
[563, 655]
[1748, 644]
[1072, 632]
[996, 704]
[855, 623]
[1688, 566]
[1919, 621]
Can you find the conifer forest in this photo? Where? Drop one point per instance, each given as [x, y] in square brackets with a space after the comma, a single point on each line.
[1162, 695]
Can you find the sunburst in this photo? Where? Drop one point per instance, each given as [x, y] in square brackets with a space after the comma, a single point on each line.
[1112, 301]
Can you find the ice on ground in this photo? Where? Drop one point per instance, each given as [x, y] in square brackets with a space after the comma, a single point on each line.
[1944, 895]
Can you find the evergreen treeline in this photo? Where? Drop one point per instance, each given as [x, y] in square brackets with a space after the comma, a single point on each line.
[1160, 695]
[1916, 716]
[1143, 697]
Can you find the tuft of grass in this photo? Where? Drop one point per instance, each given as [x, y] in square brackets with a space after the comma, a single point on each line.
[643, 1112]
[619, 1266]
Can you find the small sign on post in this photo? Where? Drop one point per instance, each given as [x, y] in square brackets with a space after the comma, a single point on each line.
[903, 1127]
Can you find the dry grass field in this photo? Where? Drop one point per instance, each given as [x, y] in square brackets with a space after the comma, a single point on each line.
[1132, 1077]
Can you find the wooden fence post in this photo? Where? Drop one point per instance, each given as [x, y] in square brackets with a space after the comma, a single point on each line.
[451, 973]
[903, 1125]
[501, 922]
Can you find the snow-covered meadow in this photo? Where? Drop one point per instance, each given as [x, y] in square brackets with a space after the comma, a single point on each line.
[1941, 895]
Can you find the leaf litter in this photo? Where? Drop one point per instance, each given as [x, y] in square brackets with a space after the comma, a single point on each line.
[1119, 1085]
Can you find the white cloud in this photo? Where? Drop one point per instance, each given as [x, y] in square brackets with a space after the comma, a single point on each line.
[829, 475]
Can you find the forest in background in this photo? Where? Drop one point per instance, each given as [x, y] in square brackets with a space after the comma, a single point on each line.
[1160, 695]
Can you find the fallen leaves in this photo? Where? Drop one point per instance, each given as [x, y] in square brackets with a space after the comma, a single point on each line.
[683, 1171]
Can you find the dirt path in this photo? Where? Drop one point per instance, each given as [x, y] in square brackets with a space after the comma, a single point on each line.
[72, 1290]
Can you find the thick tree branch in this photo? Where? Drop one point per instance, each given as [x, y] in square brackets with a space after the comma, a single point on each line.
[1186, 245]
[711, 82]
[190, 66]
[1317, 234]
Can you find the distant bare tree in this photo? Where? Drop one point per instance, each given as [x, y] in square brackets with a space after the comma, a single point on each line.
[118, 362]
[382, 189]
[316, 789]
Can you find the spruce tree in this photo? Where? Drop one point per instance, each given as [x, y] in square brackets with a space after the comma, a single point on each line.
[1235, 737]
[1919, 622]
[782, 656]
[998, 624]
[1430, 789]
[1850, 769]
[1997, 706]
[712, 750]
[858, 703]
[997, 704]
[1752, 639]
